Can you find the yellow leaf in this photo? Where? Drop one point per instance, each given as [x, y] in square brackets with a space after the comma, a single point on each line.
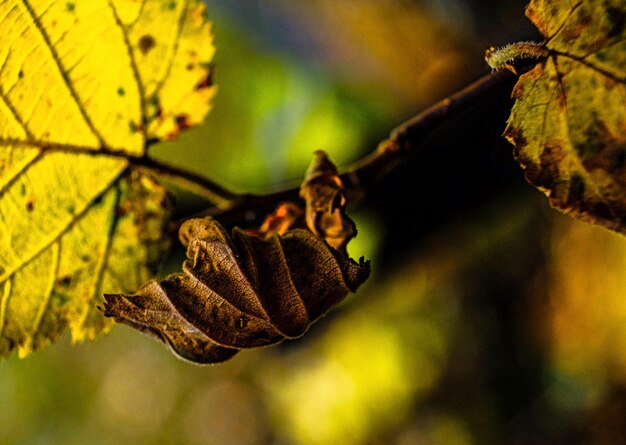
[585, 320]
[568, 124]
[85, 85]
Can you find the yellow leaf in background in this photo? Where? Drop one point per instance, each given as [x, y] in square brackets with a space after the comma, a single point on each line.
[568, 124]
[587, 310]
[85, 85]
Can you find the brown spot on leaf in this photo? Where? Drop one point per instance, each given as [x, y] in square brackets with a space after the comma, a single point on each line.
[617, 159]
[600, 210]
[515, 136]
[123, 209]
[610, 151]
[546, 174]
[65, 280]
[532, 172]
[519, 139]
[182, 122]
[571, 34]
[30, 204]
[576, 190]
[609, 83]
[206, 82]
[151, 141]
[561, 99]
[617, 18]
[611, 159]
[590, 145]
[595, 47]
[518, 90]
[146, 43]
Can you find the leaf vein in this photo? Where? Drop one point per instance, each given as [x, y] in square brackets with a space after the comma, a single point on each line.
[62, 72]
[56, 254]
[101, 267]
[590, 65]
[22, 169]
[135, 71]
[9, 106]
[62, 231]
[67, 148]
[132, 24]
[170, 62]
[576, 158]
[3, 305]
[564, 22]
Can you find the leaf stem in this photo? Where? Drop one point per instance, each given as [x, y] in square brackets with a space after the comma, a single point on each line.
[404, 141]
[187, 180]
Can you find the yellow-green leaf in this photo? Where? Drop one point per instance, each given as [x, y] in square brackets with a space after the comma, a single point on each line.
[85, 85]
[568, 124]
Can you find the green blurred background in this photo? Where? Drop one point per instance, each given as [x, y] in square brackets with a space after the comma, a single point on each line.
[489, 317]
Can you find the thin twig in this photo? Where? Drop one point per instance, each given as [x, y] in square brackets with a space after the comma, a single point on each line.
[408, 138]
[189, 181]
[405, 140]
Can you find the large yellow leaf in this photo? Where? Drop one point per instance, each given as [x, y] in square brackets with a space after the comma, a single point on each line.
[85, 85]
[568, 124]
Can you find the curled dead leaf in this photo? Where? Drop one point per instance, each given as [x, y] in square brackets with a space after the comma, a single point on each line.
[325, 199]
[239, 291]
[251, 289]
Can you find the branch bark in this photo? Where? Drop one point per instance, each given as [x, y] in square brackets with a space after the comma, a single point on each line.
[404, 141]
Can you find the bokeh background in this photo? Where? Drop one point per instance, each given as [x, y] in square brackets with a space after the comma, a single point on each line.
[489, 317]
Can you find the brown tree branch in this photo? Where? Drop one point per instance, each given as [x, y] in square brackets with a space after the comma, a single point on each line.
[405, 140]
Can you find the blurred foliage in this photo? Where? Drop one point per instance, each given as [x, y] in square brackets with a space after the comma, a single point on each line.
[586, 313]
[495, 321]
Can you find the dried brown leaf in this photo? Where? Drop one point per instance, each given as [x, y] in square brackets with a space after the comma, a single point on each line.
[251, 289]
[239, 291]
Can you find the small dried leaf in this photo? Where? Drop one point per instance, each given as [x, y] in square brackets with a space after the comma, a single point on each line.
[239, 291]
[323, 192]
[286, 216]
